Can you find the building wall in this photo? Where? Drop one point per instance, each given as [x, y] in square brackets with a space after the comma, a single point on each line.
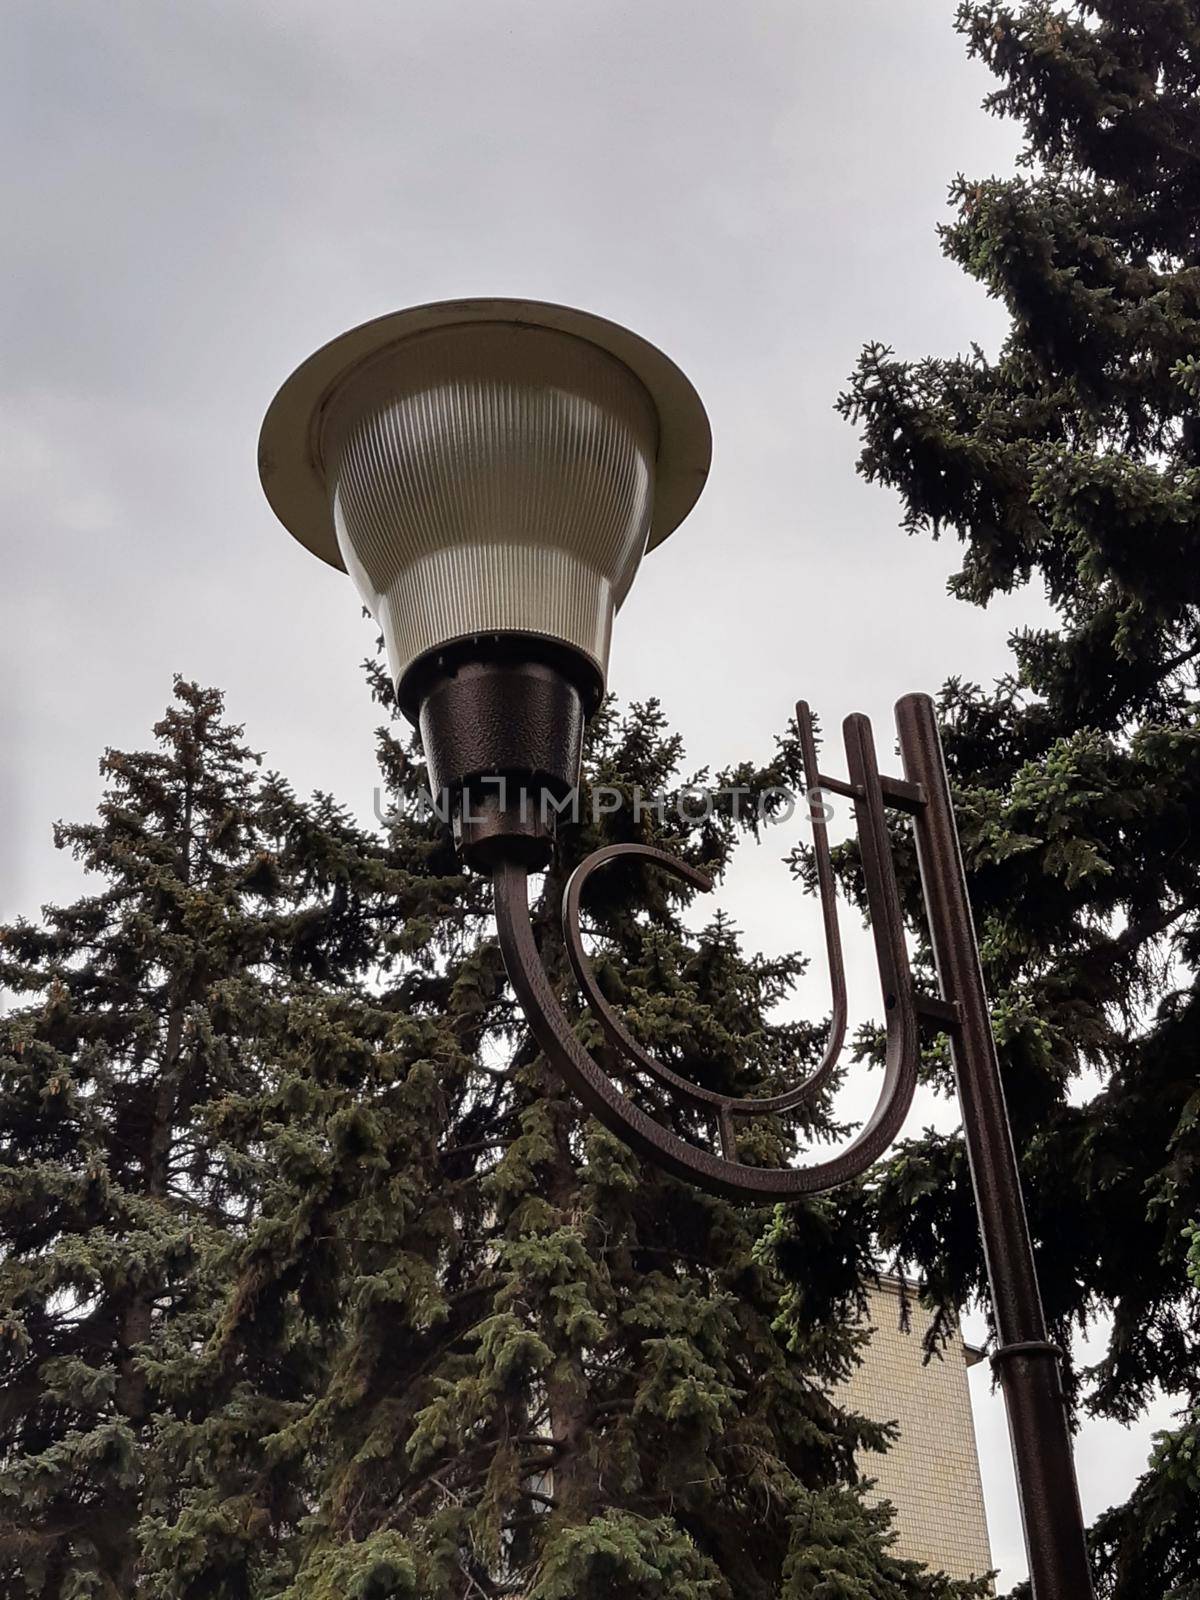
[931, 1473]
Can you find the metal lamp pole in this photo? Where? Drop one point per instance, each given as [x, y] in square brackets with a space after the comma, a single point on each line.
[1027, 1364]
[490, 472]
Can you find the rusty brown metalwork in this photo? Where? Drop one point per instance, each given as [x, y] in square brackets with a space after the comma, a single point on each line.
[723, 1173]
[1027, 1363]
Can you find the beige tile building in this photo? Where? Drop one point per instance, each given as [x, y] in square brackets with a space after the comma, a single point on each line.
[931, 1473]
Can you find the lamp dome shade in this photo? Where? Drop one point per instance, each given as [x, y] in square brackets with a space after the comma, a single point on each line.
[486, 469]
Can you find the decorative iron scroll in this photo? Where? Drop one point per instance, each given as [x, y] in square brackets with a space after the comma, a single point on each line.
[723, 1173]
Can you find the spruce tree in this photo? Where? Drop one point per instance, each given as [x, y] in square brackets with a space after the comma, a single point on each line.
[155, 1019]
[1072, 459]
[561, 1373]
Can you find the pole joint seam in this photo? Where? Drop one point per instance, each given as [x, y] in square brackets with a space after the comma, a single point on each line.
[1027, 1347]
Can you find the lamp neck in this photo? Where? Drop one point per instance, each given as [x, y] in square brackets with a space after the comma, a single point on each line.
[502, 726]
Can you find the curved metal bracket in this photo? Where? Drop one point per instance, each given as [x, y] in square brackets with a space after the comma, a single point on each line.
[724, 1174]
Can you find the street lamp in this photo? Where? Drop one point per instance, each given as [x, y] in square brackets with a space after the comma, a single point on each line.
[490, 473]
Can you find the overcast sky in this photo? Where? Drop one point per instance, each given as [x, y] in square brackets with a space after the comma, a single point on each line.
[197, 196]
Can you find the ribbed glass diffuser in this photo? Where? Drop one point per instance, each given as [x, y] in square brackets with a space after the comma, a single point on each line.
[492, 479]
[486, 469]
